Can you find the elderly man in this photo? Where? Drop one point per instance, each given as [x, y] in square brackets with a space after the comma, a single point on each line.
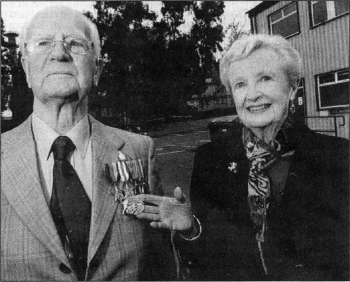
[67, 181]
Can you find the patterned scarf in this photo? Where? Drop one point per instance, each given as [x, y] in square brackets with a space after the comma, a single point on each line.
[262, 157]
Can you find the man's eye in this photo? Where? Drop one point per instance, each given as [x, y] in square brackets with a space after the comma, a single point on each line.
[43, 43]
[75, 43]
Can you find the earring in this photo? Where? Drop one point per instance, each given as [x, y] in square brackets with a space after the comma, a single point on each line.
[292, 107]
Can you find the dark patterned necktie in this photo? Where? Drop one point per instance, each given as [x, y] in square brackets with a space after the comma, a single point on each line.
[70, 206]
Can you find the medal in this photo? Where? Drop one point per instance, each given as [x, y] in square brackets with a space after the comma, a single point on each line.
[134, 207]
[127, 177]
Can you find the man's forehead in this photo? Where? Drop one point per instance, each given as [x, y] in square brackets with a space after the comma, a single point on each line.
[51, 22]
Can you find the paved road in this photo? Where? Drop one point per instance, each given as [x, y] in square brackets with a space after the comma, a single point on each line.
[175, 148]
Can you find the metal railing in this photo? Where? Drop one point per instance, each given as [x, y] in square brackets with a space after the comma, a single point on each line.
[326, 124]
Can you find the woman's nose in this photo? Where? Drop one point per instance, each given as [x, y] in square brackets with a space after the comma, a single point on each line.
[253, 92]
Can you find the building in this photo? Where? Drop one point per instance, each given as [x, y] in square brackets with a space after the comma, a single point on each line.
[214, 98]
[319, 30]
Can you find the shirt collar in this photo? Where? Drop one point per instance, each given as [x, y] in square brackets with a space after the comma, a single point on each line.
[44, 135]
[80, 135]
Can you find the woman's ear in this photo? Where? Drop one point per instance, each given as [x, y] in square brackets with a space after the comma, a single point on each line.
[294, 90]
[98, 70]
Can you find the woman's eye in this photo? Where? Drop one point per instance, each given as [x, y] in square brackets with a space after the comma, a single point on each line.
[265, 78]
[239, 85]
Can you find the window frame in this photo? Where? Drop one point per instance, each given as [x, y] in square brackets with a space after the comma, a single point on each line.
[283, 17]
[336, 81]
[311, 16]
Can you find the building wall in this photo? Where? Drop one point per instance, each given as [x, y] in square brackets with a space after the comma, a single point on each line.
[323, 49]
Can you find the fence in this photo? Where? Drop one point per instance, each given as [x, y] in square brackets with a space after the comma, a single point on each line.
[326, 125]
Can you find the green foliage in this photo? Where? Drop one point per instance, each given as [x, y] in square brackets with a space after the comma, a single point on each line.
[5, 70]
[151, 68]
[14, 88]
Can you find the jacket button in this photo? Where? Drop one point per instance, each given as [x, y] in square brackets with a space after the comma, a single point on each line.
[65, 269]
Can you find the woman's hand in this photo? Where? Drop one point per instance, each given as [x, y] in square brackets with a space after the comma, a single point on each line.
[165, 212]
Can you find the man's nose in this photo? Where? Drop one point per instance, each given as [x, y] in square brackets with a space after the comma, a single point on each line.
[59, 52]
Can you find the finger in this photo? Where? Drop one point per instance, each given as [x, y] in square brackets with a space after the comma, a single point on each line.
[158, 224]
[153, 199]
[151, 209]
[179, 195]
[148, 216]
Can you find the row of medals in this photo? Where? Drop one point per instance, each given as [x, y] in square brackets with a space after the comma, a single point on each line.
[128, 180]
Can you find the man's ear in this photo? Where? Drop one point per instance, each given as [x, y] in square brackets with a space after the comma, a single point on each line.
[24, 62]
[98, 70]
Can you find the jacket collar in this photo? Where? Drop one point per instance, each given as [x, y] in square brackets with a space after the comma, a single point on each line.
[21, 184]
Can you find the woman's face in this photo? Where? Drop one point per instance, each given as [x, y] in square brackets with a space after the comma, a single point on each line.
[260, 89]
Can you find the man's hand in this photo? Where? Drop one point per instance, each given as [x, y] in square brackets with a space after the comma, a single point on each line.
[170, 213]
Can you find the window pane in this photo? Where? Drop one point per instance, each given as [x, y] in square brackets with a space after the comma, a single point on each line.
[290, 9]
[287, 26]
[301, 83]
[334, 95]
[319, 12]
[342, 75]
[326, 78]
[341, 6]
[274, 17]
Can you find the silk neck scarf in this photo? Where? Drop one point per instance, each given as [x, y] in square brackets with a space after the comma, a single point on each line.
[262, 157]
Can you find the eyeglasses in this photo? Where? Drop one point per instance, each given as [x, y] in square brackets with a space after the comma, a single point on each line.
[73, 45]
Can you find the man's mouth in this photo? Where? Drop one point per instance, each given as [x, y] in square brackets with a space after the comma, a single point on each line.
[60, 73]
[258, 108]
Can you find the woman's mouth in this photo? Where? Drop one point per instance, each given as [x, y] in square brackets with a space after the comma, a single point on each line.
[258, 108]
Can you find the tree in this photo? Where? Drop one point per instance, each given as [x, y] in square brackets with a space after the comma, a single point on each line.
[234, 31]
[6, 82]
[151, 68]
[207, 32]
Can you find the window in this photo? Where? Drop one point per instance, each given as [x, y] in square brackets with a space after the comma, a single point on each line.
[322, 11]
[285, 22]
[333, 90]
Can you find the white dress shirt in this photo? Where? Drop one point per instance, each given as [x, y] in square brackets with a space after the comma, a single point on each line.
[80, 159]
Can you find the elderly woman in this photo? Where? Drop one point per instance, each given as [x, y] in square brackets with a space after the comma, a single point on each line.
[284, 187]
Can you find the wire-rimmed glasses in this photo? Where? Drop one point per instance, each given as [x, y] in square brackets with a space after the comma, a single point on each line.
[45, 46]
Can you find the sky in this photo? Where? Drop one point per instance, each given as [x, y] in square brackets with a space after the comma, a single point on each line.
[16, 13]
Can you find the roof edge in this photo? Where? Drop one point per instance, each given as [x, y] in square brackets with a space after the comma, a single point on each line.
[260, 8]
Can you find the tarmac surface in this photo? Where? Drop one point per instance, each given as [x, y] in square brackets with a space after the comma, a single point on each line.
[176, 144]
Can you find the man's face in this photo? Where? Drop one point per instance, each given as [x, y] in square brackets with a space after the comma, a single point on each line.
[60, 74]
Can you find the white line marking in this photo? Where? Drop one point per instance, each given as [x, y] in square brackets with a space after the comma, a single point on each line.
[174, 152]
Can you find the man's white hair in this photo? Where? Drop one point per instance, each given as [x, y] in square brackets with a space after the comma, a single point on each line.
[95, 38]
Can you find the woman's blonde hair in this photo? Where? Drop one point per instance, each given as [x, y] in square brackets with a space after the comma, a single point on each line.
[248, 44]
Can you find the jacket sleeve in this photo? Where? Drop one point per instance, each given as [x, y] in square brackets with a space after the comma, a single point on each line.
[154, 180]
[190, 252]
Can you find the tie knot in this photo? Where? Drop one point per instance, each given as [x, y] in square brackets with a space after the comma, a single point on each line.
[61, 147]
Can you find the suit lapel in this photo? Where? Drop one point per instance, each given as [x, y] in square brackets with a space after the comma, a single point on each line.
[22, 187]
[104, 151]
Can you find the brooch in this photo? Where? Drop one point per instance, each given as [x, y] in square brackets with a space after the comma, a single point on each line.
[233, 167]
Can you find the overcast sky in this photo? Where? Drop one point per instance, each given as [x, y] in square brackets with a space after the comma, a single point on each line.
[16, 13]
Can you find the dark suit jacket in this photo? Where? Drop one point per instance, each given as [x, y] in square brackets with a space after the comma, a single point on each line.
[121, 247]
[308, 232]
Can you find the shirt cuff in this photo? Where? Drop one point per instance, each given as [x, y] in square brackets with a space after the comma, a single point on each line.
[196, 233]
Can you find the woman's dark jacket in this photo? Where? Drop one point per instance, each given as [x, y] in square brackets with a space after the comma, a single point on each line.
[308, 231]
